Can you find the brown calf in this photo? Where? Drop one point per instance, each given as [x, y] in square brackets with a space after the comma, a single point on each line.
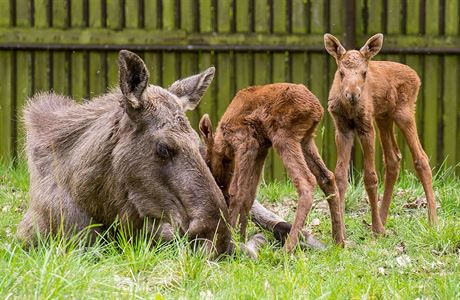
[363, 91]
[281, 115]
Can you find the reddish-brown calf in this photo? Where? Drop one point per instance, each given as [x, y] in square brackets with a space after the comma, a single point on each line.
[364, 91]
[281, 115]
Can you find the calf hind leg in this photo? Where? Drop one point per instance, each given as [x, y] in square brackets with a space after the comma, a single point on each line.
[392, 158]
[249, 160]
[326, 181]
[291, 154]
[421, 164]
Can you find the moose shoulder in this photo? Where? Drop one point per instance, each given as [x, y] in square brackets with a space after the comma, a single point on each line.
[129, 154]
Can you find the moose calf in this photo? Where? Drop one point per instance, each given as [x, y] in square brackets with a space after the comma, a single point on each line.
[281, 115]
[130, 154]
[364, 91]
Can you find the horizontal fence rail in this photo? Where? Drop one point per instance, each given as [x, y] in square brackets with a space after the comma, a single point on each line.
[71, 47]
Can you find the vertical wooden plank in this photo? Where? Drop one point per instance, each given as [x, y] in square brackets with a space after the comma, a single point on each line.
[337, 25]
[97, 84]
[23, 74]
[375, 9]
[318, 76]
[132, 13]
[394, 16]
[262, 62]
[431, 87]
[360, 22]
[114, 12]
[415, 62]
[60, 65]
[243, 60]
[152, 58]
[189, 59]
[151, 13]
[279, 64]
[170, 62]
[209, 102]
[299, 26]
[451, 80]
[6, 107]
[224, 59]
[78, 58]
[42, 58]
[114, 21]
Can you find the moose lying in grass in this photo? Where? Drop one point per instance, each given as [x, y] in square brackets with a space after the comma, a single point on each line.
[129, 154]
[281, 115]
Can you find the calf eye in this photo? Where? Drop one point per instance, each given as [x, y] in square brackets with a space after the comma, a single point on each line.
[342, 75]
[164, 151]
[364, 74]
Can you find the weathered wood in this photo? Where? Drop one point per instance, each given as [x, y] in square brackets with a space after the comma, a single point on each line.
[250, 42]
[6, 107]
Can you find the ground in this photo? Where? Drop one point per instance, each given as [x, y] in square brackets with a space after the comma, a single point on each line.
[412, 261]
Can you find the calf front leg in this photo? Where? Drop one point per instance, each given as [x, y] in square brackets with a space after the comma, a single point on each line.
[344, 143]
[367, 137]
[291, 154]
[249, 160]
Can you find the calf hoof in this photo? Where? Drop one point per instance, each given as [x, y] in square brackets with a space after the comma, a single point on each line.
[378, 229]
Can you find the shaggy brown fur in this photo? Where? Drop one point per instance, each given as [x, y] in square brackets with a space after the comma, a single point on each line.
[364, 91]
[129, 154]
[281, 115]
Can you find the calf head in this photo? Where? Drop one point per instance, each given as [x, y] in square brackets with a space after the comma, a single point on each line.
[215, 155]
[158, 155]
[352, 65]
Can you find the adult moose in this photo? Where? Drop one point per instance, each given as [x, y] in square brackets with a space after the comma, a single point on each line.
[384, 91]
[130, 154]
[281, 115]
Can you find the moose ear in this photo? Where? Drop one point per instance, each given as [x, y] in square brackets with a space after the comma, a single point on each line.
[191, 89]
[372, 46]
[333, 46]
[133, 78]
[206, 129]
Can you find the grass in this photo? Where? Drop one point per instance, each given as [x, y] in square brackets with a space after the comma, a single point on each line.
[413, 261]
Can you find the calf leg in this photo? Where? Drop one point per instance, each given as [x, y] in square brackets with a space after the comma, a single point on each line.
[422, 167]
[291, 154]
[326, 181]
[344, 143]
[249, 160]
[367, 137]
[392, 158]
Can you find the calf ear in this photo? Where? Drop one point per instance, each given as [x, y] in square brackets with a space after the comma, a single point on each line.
[133, 78]
[333, 46]
[206, 129]
[372, 46]
[191, 89]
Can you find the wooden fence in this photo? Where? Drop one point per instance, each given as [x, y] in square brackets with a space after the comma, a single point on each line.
[71, 46]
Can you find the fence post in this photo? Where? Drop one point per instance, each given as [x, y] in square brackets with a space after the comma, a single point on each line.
[350, 43]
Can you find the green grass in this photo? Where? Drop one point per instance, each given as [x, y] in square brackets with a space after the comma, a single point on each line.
[413, 261]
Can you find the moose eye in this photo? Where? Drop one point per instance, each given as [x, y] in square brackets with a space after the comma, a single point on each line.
[364, 74]
[341, 74]
[164, 151]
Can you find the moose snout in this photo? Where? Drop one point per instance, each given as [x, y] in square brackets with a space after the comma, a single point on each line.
[353, 96]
